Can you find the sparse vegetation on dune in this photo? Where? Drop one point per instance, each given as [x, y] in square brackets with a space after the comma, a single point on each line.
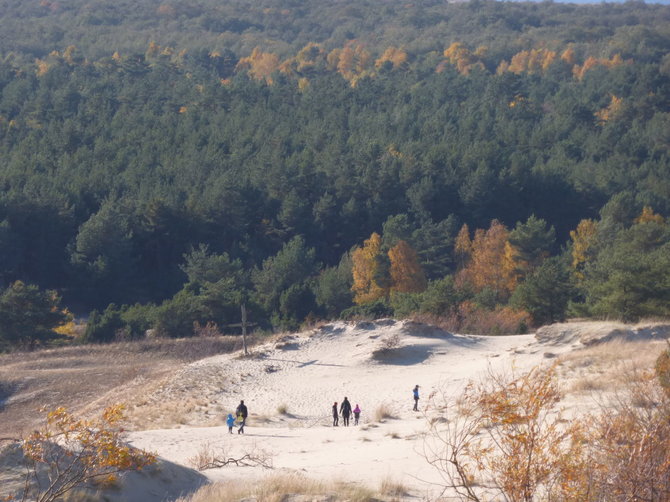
[278, 487]
[606, 367]
[384, 412]
[90, 377]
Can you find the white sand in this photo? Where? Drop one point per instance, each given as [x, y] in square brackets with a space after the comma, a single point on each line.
[308, 372]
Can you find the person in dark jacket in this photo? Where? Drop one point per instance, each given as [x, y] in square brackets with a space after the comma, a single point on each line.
[345, 409]
[415, 392]
[336, 416]
[242, 414]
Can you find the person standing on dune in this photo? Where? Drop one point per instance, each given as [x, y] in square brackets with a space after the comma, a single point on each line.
[415, 392]
[230, 421]
[336, 416]
[242, 413]
[345, 409]
[357, 414]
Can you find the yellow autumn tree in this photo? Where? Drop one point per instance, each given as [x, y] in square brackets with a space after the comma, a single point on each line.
[568, 56]
[490, 266]
[397, 57]
[532, 61]
[462, 58]
[591, 62]
[352, 62]
[463, 247]
[259, 65]
[649, 216]
[406, 273]
[367, 273]
[583, 239]
[308, 60]
[611, 111]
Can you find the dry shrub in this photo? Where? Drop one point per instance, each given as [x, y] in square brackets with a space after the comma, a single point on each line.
[208, 457]
[383, 412]
[629, 445]
[282, 409]
[208, 330]
[392, 488]
[390, 342]
[469, 318]
[387, 346]
[505, 440]
[276, 489]
[663, 370]
[68, 453]
[608, 366]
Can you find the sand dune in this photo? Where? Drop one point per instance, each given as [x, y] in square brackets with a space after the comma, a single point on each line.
[290, 384]
[373, 364]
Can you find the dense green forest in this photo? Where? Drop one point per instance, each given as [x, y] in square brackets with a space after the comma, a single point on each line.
[163, 163]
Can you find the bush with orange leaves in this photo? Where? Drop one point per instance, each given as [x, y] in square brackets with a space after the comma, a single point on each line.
[502, 440]
[629, 446]
[69, 452]
[469, 317]
[506, 440]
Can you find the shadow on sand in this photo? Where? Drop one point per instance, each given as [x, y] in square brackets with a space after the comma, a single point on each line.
[408, 355]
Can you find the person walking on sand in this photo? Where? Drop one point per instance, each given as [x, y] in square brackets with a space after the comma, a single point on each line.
[230, 421]
[336, 417]
[242, 415]
[416, 398]
[345, 409]
[357, 414]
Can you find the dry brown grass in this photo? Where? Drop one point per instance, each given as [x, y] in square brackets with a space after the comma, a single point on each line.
[277, 488]
[392, 488]
[383, 412]
[606, 367]
[86, 378]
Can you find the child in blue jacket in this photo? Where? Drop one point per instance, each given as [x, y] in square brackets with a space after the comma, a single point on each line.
[230, 421]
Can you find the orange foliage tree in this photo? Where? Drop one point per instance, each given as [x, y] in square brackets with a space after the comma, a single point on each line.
[259, 65]
[463, 247]
[591, 62]
[462, 58]
[532, 61]
[649, 216]
[397, 57]
[352, 62]
[489, 265]
[68, 452]
[366, 269]
[611, 111]
[406, 273]
[583, 241]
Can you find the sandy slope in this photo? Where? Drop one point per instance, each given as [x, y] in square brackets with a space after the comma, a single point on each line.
[309, 371]
[180, 413]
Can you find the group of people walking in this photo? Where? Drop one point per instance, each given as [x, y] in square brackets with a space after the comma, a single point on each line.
[346, 411]
[241, 413]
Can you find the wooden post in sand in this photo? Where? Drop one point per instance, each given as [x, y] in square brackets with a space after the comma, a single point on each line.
[243, 325]
[244, 328]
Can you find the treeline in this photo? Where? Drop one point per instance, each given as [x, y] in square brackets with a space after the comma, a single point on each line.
[168, 187]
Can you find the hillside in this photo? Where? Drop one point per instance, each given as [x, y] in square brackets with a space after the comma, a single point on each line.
[290, 383]
[162, 162]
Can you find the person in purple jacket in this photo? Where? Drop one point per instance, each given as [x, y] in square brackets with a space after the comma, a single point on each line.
[357, 414]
